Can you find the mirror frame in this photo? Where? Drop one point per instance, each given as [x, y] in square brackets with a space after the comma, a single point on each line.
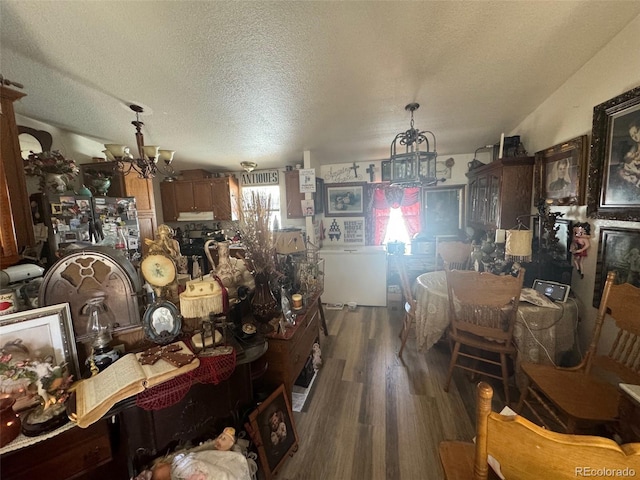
[43, 137]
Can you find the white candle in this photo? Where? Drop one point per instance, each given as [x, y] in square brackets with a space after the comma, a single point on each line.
[501, 145]
[501, 235]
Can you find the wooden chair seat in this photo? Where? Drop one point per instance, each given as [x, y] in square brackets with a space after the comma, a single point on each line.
[526, 451]
[482, 343]
[596, 402]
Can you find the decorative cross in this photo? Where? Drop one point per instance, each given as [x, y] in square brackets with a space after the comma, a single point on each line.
[370, 171]
[355, 169]
[170, 353]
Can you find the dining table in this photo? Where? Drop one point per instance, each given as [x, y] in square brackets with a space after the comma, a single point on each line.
[542, 334]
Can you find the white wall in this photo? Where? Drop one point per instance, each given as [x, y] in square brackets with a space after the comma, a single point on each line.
[568, 114]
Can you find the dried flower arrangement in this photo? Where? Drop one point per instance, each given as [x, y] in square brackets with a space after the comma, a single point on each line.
[39, 164]
[257, 237]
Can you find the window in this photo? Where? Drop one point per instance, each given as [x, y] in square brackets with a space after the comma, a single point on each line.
[274, 191]
[396, 228]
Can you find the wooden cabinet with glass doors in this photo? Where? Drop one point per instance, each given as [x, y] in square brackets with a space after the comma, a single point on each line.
[500, 192]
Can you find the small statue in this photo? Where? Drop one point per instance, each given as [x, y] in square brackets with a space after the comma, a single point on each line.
[164, 243]
[580, 243]
[225, 440]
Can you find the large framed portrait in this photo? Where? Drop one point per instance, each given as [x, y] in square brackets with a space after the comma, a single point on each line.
[561, 173]
[35, 336]
[618, 251]
[443, 208]
[614, 171]
[344, 199]
[272, 430]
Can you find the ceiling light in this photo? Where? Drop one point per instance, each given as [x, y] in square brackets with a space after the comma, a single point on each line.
[148, 155]
[248, 166]
[412, 160]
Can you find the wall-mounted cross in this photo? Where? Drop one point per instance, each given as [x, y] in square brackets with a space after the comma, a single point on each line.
[371, 171]
[355, 169]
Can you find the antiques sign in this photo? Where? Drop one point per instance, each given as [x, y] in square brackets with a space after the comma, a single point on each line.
[260, 177]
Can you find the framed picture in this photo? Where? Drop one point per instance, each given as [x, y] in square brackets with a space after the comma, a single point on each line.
[272, 430]
[443, 209]
[41, 334]
[561, 173]
[618, 251]
[614, 171]
[344, 199]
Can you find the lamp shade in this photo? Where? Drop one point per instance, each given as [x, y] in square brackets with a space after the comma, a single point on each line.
[518, 246]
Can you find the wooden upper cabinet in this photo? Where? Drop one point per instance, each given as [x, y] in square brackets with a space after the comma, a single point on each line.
[217, 195]
[500, 192]
[16, 225]
[293, 196]
[226, 193]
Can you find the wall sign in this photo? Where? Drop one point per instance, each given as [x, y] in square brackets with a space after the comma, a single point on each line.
[260, 177]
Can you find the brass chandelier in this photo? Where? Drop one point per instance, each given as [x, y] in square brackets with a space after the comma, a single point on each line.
[146, 164]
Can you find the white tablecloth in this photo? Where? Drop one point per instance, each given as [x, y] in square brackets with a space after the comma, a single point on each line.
[537, 328]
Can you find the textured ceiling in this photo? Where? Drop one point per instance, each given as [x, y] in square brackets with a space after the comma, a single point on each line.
[225, 82]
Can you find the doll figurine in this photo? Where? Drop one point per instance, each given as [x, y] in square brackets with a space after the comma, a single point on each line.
[580, 243]
[225, 440]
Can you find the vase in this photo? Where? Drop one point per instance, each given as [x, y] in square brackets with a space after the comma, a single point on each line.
[9, 421]
[54, 183]
[263, 304]
[101, 185]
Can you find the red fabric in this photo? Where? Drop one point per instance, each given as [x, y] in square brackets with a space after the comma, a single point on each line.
[407, 199]
[211, 370]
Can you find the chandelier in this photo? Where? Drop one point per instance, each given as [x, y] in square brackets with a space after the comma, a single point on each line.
[146, 164]
[412, 162]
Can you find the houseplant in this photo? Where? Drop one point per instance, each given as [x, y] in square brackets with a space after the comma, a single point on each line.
[54, 170]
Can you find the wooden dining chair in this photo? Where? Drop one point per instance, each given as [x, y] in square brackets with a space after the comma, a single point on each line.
[455, 255]
[409, 304]
[482, 312]
[570, 399]
[526, 451]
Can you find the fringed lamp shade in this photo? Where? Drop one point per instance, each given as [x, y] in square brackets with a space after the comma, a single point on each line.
[201, 298]
[518, 246]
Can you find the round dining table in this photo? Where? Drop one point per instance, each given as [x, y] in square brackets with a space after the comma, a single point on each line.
[542, 334]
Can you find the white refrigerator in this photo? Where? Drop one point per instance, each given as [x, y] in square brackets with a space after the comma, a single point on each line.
[355, 274]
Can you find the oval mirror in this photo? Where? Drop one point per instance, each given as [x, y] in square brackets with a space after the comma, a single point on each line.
[32, 140]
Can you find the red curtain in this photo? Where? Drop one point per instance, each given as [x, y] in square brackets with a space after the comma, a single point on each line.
[407, 199]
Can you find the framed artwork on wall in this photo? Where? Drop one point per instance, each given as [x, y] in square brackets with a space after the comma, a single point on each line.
[344, 199]
[444, 212]
[614, 171]
[561, 173]
[319, 196]
[618, 251]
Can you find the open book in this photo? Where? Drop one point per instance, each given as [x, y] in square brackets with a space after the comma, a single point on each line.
[123, 379]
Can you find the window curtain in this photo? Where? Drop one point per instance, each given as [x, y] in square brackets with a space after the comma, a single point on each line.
[383, 199]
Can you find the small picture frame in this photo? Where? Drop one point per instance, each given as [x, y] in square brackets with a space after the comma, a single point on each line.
[162, 322]
[273, 431]
[319, 196]
[560, 173]
[618, 251]
[308, 209]
[614, 168]
[344, 199]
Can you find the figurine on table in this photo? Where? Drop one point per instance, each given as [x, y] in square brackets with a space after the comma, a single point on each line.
[580, 243]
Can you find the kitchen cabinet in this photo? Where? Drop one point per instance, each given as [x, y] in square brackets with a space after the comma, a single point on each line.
[16, 225]
[218, 195]
[130, 185]
[293, 196]
[500, 192]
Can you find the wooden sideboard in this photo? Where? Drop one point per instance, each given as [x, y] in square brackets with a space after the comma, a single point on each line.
[288, 352]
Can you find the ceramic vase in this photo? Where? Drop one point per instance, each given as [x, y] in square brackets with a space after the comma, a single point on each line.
[263, 304]
[54, 183]
[9, 421]
[101, 185]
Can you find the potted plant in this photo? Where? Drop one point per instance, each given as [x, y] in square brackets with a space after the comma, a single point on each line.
[54, 170]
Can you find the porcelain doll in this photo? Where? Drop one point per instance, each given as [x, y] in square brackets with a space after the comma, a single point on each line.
[580, 244]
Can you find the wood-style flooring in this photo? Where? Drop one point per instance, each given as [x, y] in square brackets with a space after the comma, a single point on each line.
[371, 415]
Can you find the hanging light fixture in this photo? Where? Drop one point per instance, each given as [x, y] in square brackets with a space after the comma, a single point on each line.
[148, 155]
[412, 161]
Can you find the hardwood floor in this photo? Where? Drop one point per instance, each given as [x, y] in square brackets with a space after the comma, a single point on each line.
[371, 415]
